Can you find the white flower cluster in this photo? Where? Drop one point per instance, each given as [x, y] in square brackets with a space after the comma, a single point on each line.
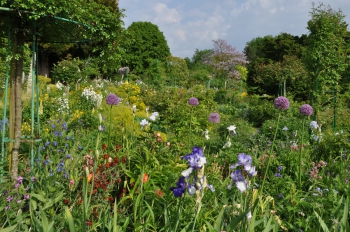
[90, 94]
[59, 85]
[154, 116]
[63, 105]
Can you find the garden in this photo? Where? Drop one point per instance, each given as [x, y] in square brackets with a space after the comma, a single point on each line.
[212, 143]
[127, 157]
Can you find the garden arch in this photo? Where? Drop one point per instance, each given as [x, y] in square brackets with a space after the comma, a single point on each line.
[37, 29]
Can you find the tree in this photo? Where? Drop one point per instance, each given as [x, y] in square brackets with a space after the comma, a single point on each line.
[148, 42]
[276, 76]
[177, 70]
[264, 51]
[224, 59]
[88, 22]
[326, 52]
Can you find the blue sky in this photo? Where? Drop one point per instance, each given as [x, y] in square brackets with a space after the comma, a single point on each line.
[192, 24]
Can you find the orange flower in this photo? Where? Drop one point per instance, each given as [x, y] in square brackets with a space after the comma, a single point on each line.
[159, 193]
[145, 178]
[89, 177]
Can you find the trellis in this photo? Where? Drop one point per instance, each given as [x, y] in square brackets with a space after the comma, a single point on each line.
[44, 29]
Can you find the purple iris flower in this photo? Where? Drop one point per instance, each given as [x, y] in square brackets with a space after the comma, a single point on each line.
[196, 158]
[180, 187]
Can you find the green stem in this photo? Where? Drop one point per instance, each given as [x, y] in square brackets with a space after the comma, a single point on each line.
[178, 213]
[269, 157]
[109, 129]
[190, 133]
[197, 213]
[301, 151]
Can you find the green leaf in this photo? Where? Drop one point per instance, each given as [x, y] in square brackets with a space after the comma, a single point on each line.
[323, 225]
[268, 227]
[344, 219]
[219, 220]
[69, 217]
[9, 229]
[39, 197]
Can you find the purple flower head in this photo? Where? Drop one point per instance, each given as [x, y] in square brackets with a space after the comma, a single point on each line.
[193, 101]
[20, 180]
[281, 103]
[214, 118]
[306, 109]
[195, 159]
[243, 160]
[236, 176]
[180, 187]
[112, 99]
[242, 186]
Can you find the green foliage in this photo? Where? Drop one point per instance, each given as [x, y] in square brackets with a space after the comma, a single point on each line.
[326, 52]
[147, 43]
[332, 145]
[267, 55]
[177, 71]
[73, 70]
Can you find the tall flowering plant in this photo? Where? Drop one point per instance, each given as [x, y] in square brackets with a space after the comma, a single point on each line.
[307, 111]
[111, 100]
[192, 180]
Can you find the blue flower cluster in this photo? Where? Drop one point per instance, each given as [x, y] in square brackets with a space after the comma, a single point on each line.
[237, 175]
[196, 161]
[2, 123]
[278, 174]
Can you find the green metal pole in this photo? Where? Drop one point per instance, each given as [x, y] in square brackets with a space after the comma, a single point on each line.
[5, 102]
[334, 109]
[33, 106]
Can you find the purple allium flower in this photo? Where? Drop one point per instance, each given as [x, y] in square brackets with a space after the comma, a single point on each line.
[26, 196]
[112, 99]
[180, 187]
[214, 118]
[193, 101]
[7, 207]
[281, 103]
[306, 109]
[9, 198]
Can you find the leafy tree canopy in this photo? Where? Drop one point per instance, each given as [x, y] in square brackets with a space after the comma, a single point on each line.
[148, 42]
[97, 23]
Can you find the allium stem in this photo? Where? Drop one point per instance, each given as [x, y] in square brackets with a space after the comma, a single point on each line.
[301, 151]
[269, 157]
[190, 133]
[110, 125]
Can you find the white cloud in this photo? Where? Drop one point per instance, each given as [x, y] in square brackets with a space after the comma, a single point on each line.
[165, 15]
[273, 11]
[191, 25]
